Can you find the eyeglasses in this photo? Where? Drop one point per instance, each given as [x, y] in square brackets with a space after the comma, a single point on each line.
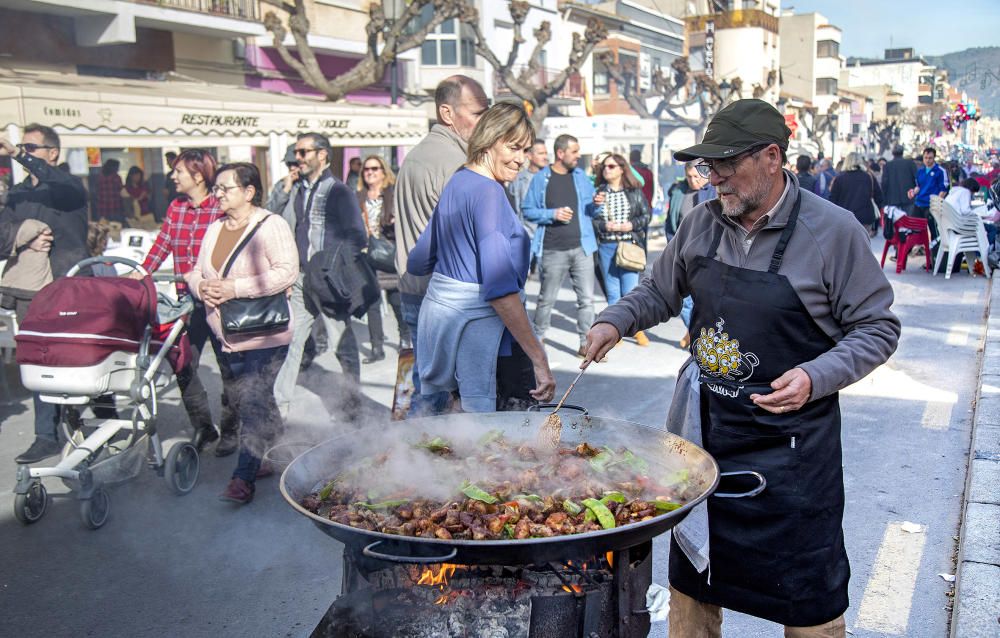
[28, 147]
[725, 168]
[372, 169]
[302, 152]
[219, 190]
[607, 166]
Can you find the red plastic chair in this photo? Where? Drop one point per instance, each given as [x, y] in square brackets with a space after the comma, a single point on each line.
[919, 236]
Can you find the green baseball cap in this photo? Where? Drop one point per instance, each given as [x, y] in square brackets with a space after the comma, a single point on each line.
[738, 127]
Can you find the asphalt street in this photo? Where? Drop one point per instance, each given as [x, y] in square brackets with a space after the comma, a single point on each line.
[194, 566]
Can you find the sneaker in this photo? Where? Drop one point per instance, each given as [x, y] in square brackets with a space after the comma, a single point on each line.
[238, 491]
[39, 450]
[378, 354]
[229, 442]
[641, 338]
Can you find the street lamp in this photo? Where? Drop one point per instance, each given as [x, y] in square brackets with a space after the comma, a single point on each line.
[393, 10]
[833, 134]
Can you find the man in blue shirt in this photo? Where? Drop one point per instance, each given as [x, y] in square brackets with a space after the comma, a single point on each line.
[931, 180]
[560, 200]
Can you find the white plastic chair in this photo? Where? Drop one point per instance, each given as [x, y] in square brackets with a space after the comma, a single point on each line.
[964, 233]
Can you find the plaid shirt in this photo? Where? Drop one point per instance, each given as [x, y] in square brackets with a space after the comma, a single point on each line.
[109, 197]
[181, 234]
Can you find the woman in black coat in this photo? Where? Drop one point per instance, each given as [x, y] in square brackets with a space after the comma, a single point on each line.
[855, 189]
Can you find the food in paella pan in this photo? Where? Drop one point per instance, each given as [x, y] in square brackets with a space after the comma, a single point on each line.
[499, 490]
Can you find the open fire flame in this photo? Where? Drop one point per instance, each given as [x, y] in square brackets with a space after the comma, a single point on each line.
[439, 578]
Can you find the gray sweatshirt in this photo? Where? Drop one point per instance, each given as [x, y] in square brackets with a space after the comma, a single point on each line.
[828, 263]
[425, 171]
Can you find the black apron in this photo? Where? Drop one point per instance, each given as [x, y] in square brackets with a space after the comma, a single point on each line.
[779, 555]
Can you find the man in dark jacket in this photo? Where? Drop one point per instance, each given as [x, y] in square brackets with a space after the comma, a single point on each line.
[322, 212]
[898, 177]
[59, 200]
[802, 165]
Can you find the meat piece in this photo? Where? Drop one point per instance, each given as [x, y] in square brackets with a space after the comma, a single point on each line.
[522, 529]
[638, 506]
[528, 479]
[409, 528]
[452, 518]
[479, 533]
[526, 453]
[442, 533]
[477, 507]
[439, 514]
[466, 518]
[540, 530]
[419, 511]
[311, 503]
[586, 451]
[569, 469]
[495, 524]
[556, 518]
[424, 525]
[405, 512]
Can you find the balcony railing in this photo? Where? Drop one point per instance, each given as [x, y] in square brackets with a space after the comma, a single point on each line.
[742, 18]
[572, 89]
[242, 9]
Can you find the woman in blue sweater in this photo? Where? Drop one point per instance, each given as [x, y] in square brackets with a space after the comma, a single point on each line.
[474, 335]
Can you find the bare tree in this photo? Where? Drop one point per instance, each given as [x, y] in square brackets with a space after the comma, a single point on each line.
[818, 126]
[530, 83]
[886, 132]
[385, 41]
[675, 93]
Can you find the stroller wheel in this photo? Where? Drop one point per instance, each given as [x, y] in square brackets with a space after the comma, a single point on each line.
[31, 506]
[94, 510]
[181, 467]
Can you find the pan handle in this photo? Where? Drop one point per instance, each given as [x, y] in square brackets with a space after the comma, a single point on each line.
[754, 492]
[394, 558]
[565, 406]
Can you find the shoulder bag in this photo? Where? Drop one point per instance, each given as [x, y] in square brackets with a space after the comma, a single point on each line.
[631, 257]
[382, 254]
[248, 316]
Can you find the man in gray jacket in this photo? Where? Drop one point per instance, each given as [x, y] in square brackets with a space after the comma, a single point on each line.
[460, 102]
[790, 306]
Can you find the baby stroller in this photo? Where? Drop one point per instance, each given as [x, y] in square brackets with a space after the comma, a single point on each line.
[85, 338]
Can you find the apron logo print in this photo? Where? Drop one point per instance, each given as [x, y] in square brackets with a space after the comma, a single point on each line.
[719, 356]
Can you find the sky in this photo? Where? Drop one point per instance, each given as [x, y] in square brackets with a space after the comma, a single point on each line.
[931, 27]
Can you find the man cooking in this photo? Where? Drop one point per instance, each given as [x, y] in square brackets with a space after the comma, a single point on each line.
[790, 306]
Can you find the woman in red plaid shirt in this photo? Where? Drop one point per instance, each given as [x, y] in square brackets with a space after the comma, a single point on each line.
[187, 219]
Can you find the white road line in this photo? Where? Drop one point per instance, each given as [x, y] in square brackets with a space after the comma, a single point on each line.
[937, 415]
[886, 604]
[958, 336]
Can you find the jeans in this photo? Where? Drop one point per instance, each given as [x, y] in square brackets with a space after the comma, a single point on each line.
[375, 329]
[252, 386]
[617, 281]
[193, 393]
[555, 264]
[686, 311]
[337, 330]
[420, 405]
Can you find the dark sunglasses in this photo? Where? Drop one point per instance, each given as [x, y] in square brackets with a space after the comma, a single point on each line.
[302, 152]
[611, 166]
[31, 148]
[372, 169]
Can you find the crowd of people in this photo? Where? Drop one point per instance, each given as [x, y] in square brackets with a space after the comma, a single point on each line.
[449, 243]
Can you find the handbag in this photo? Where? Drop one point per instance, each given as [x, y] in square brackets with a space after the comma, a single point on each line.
[629, 256]
[382, 254]
[255, 315]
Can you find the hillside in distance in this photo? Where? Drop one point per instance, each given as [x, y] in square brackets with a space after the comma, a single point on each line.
[975, 71]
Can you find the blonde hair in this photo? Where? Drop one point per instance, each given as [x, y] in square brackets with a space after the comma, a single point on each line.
[387, 181]
[503, 122]
[853, 161]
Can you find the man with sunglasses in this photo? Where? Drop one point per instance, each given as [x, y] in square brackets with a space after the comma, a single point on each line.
[790, 306]
[323, 213]
[59, 200]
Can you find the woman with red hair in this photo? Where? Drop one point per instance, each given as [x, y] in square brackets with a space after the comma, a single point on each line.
[184, 226]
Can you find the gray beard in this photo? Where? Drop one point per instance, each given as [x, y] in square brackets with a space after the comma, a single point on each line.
[747, 202]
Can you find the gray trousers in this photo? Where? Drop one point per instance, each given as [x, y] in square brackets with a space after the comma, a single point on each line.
[338, 332]
[552, 269]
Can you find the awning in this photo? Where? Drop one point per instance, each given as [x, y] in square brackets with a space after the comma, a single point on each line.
[95, 106]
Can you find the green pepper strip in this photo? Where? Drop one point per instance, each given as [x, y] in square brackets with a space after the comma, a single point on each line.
[571, 508]
[666, 506]
[680, 476]
[600, 462]
[509, 529]
[384, 505]
[617, 497]
[527, 497]
[327, 490]
[477, 494]
[601, 511]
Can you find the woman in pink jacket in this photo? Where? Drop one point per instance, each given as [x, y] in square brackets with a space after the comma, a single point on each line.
[266, 265]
